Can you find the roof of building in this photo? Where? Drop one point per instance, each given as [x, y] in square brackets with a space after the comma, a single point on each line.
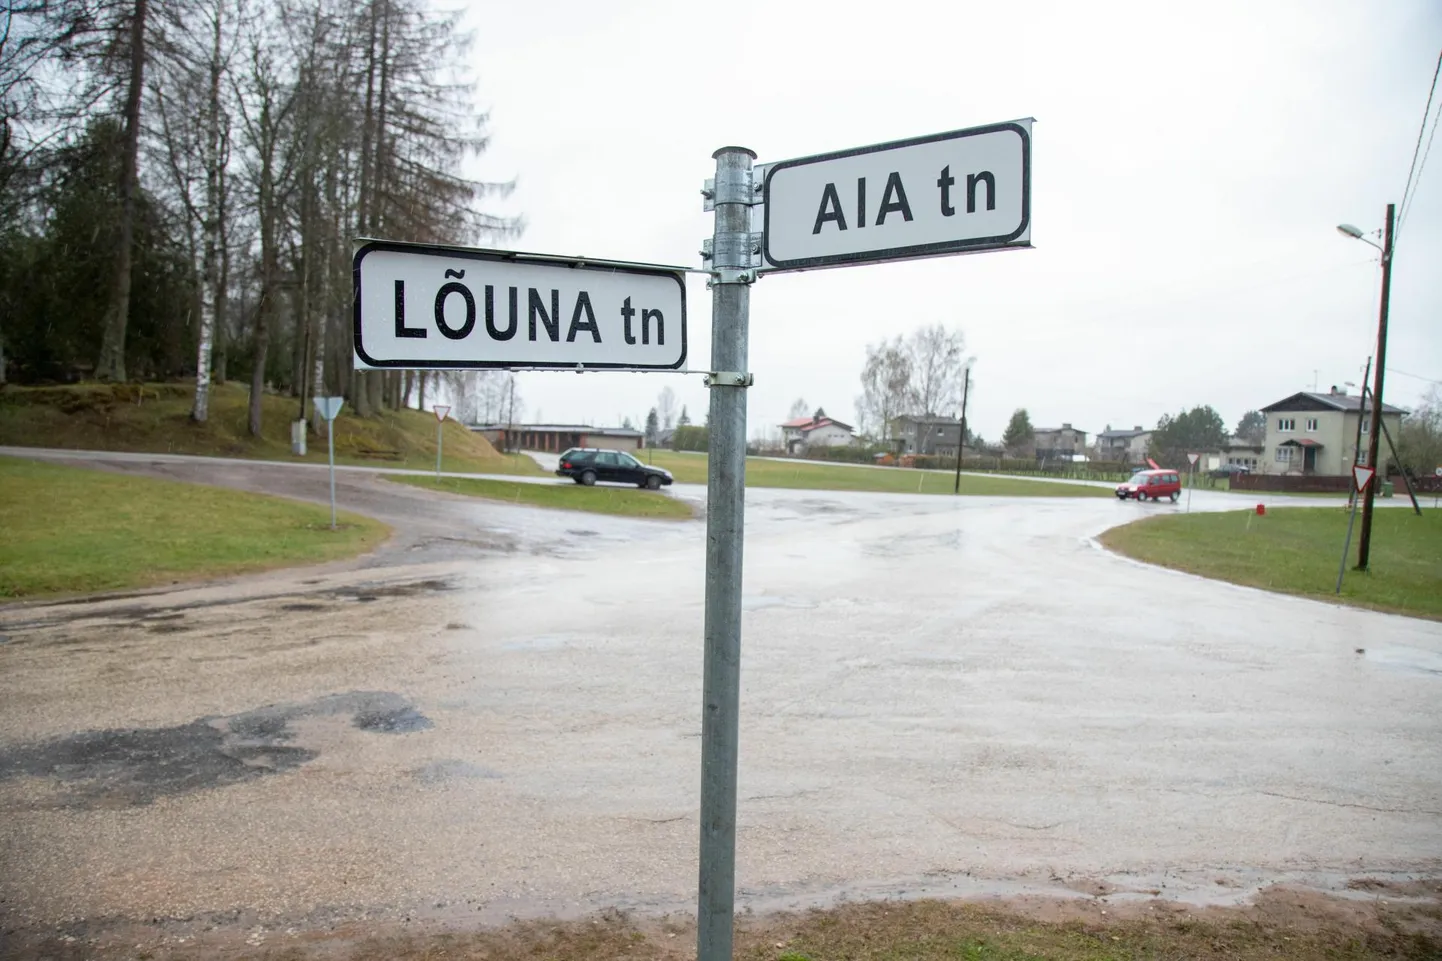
[1123, 434]
[1241, 443]
[1310, 400]
[1056, 430]
[564, 429]
[1301, 442]
[808, 424]
[922, 419]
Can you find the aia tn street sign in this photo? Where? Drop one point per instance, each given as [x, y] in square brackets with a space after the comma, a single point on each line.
[430, 307]
[958, 192]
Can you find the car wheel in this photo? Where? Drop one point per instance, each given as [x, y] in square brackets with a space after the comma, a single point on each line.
[653, 483]
[1175, 495]
[1141, 495]
[588, 478]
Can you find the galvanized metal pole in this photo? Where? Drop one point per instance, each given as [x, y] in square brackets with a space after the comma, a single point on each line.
[1346, 545]
[440, 439]
[1364, 539]
[330, 444]
[725, 522]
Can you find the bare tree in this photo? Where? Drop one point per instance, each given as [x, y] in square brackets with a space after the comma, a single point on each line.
[886, 391]
[937, 363]
[799, 409]
[117, 313]
[666, 408]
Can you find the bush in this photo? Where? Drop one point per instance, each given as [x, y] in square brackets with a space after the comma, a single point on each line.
[691, 438]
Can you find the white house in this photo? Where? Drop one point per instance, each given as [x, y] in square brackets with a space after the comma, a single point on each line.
[816, 431]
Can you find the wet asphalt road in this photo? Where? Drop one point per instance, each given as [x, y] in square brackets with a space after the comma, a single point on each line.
[498, 713]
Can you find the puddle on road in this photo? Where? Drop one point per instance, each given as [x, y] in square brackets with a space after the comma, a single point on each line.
[134, 767]
[1412, 659]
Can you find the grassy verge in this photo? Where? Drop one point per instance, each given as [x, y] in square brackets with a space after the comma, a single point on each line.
[690, 468]
[598, 500]
[1296, 550]
[69, 530]
[155, 418]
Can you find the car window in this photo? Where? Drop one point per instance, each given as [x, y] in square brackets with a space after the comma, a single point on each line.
[628, 461]
[1173, 479]
[608, 458]
[577, 456]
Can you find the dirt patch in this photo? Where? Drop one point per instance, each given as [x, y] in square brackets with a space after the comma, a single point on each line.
[1281, 923]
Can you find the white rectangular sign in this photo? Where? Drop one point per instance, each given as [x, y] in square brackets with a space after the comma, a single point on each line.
[429, 307]
[968, 190]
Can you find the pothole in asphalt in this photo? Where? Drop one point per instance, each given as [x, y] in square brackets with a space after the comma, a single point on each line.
[136, 766]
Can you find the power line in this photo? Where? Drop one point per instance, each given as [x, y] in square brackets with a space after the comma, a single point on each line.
[1430, 380]
[1421, 131]
[1422, 166]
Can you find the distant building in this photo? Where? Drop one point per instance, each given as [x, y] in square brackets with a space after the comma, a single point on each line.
[1239, 452]
[1314, 433]
[1123, 446]
[1059, 443]
[924, 434]
[559, 437]
[818, 430]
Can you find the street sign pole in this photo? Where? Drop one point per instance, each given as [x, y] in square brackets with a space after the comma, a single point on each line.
[731, 281]
[330, 449]
[1193, 482]
[442, 411]
[1361, 478]
[329, 408]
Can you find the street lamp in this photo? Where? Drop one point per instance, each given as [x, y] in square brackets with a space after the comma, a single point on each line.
[1364, 543]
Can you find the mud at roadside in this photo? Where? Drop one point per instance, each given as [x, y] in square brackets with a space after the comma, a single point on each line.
[1367, 918]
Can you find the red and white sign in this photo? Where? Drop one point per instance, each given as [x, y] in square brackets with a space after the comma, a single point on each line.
[1192, 459]
[441, 412]
[1362, 476]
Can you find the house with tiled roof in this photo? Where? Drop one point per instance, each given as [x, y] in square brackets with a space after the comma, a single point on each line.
[818, 430]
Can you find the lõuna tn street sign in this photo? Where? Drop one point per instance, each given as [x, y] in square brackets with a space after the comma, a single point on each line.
[958, 192]
[422, 306]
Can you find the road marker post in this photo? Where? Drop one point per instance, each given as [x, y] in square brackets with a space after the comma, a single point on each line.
[1361, 477]
[441, 411]
[328, 408]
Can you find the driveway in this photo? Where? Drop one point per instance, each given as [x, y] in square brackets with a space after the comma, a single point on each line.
[499, 715]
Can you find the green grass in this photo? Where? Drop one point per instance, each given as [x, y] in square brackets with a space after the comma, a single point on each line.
[155, 418]
[622, 501]
[69, 530]
[1296, 550]
[690, 468]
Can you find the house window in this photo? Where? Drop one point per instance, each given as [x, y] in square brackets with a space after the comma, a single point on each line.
[1284, 455]
[1286, 424]
[1311, 423]
[1366, 425]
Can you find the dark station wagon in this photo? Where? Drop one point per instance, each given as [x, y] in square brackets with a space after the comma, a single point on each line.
[587, 465]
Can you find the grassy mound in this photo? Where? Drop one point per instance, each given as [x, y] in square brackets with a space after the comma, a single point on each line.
[155, 418]
[70, 530]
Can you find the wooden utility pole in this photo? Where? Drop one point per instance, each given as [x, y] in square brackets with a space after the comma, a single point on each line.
[1364, 541]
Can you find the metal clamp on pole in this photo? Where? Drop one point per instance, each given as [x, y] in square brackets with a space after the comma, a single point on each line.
[728, 378]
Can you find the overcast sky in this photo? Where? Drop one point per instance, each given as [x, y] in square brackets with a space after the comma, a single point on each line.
[1190, 163]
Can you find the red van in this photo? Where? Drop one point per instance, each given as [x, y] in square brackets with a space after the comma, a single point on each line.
[1151, 485]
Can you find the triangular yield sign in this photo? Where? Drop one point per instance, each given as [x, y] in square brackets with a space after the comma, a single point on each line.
[1362, 476]
[441, 412]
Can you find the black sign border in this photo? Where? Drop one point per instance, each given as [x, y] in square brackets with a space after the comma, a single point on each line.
[507, 256]
[915, 251]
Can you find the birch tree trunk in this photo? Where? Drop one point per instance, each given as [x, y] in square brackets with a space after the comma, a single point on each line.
[211, 241]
